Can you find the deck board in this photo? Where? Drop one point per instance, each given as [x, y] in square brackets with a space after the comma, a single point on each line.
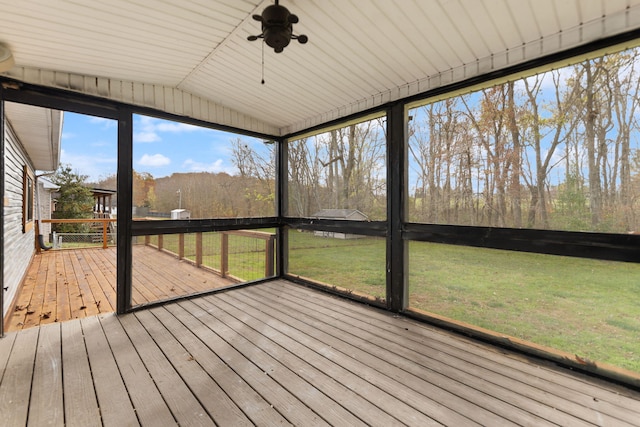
[46, 409]
[216, 402]
[252, 404]
[184, 406]
[80, 403]
[15, 387]
[327, 376]
[417, 371]
[146, 398]
[405, 404]
[75, 283]
[114, 403]
[248, 344]
[267, 387]
[281, 354]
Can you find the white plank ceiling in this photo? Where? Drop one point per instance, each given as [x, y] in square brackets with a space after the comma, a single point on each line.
[192, 57]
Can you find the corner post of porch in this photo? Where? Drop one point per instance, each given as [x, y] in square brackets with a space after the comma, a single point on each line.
[397, 295]
[125, 210]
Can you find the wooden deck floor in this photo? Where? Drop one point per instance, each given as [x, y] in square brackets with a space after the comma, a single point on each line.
[280, 354]
[71, 284]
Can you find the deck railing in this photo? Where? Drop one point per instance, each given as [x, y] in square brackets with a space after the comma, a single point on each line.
[269, 250]
[103, 234]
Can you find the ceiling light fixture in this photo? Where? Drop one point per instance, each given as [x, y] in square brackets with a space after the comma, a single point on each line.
[277, 27]
[6, 58]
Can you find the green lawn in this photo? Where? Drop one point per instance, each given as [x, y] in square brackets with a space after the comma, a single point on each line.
[581, 306]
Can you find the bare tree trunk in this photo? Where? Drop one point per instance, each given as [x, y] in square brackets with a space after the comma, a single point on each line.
[516, 159]
[595, 192]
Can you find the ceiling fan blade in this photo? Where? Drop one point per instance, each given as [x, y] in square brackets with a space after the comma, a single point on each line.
[252, 38]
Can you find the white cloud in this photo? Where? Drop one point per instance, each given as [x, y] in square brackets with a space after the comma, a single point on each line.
[215, 167]
[148, 129]
[154, 160]
[146, 136]
[106, 123]
[90, 165]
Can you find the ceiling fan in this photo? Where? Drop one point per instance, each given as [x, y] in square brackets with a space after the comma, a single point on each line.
[277, 27]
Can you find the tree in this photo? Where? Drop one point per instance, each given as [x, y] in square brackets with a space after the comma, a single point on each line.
[75, 200]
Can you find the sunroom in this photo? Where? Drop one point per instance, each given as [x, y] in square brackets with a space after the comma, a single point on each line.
[490, 148]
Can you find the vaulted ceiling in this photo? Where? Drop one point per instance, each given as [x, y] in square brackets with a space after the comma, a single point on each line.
[192, 57]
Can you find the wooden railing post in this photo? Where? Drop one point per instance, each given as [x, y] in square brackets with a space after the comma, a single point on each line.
[198, 249]
[37, 233]
[180, 246]
[160, 241]
[147, 240]
[269, 250]
[104, 233]
[224, 254]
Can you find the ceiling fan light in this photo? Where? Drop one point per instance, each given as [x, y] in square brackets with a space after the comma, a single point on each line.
[6, 58]
[277, 27]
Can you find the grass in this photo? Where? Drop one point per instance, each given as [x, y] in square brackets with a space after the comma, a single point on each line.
[580, 306]
[353, 264]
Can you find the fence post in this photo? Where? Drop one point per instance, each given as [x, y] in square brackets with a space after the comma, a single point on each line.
[198, 249]
[104, 233]
[180, 246]
[268, 253]
[147, 240]
[160, 241]
[224, 254]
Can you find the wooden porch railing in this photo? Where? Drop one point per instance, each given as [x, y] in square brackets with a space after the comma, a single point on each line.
[104, 221]
[269, 239]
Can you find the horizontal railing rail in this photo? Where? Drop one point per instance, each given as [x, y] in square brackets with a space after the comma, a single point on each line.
[104, 221]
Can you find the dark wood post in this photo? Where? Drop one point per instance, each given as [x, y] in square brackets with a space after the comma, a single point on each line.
[397, 295]
[125, 209]
[224, 254]
[198, 249]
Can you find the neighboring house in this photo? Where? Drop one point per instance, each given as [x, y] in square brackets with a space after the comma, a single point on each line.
[340, 214]
[31, 143]
[104, 202]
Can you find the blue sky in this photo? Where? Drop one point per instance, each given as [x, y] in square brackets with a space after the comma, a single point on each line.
[160, 147]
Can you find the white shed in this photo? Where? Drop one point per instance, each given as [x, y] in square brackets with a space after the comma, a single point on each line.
[180, 214]
[340, 214]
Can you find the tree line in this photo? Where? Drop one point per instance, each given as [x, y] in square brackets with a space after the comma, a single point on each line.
[249, 193]
[554, 151]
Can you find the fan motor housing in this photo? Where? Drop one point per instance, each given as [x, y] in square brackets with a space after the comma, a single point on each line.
[277, 27]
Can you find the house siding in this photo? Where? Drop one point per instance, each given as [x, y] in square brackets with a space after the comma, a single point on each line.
[18, 246]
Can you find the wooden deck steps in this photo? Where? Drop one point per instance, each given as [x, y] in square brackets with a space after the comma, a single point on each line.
[280, 354]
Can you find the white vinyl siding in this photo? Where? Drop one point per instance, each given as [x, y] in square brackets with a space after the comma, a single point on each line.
[18, 246]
